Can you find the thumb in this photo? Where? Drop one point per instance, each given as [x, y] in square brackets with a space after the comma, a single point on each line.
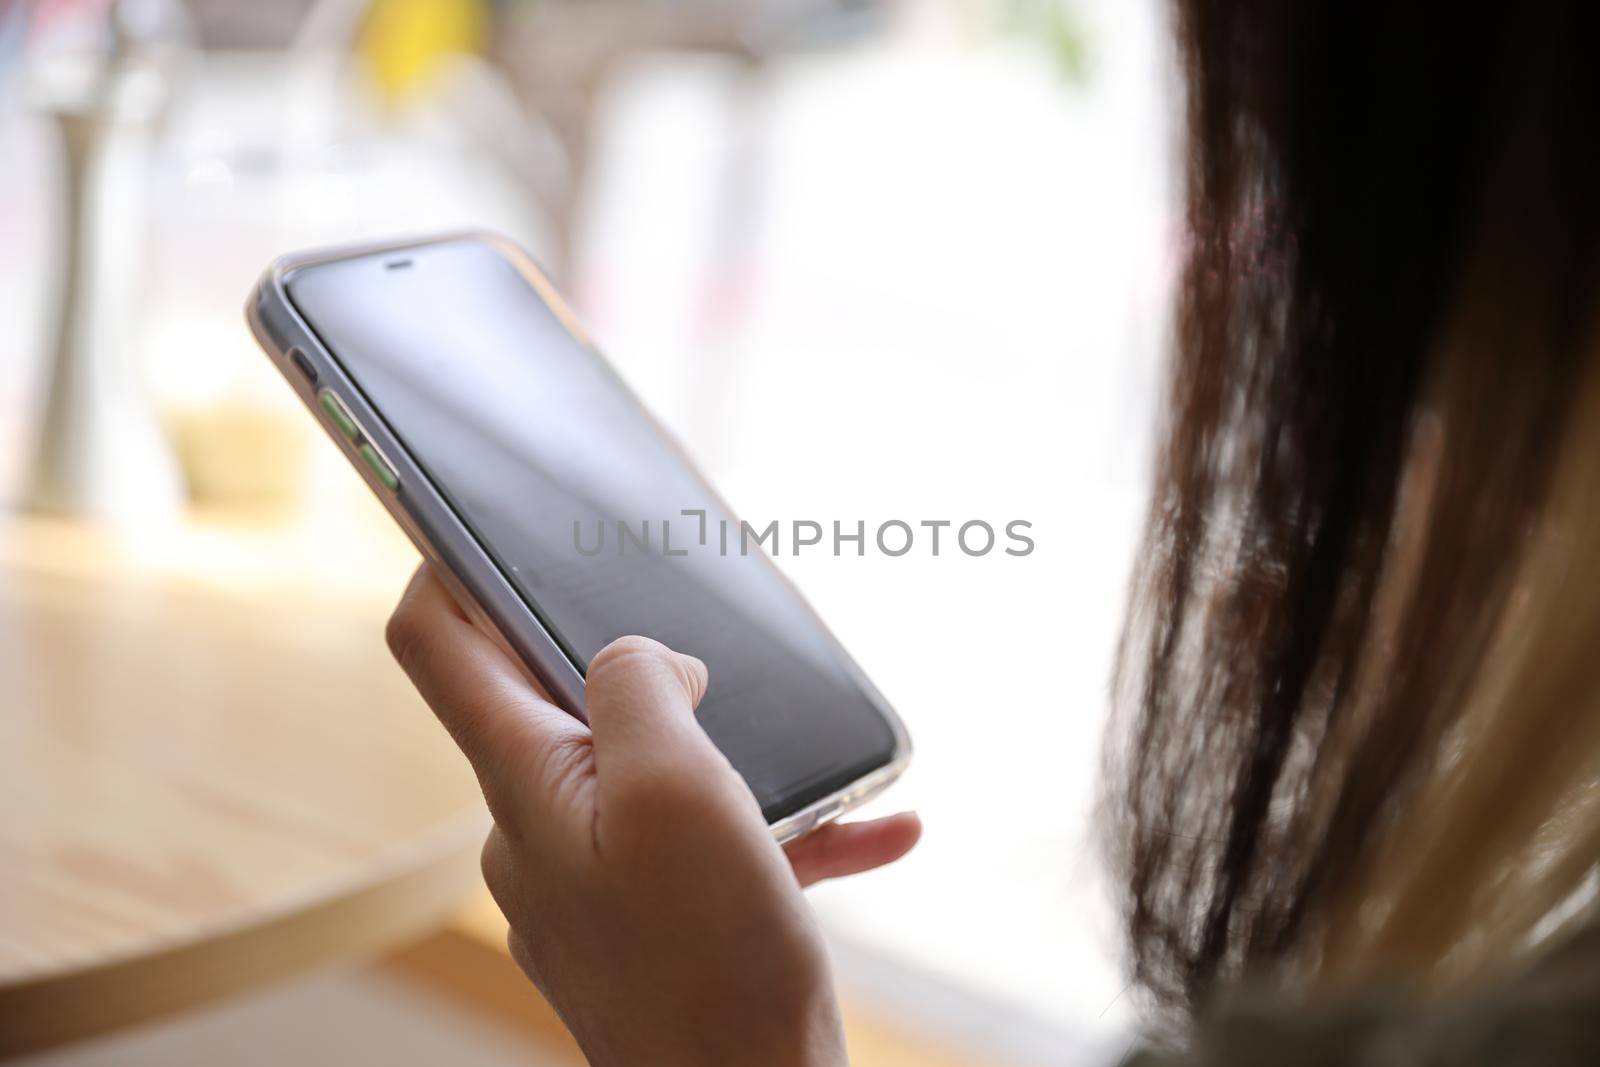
[640, 698]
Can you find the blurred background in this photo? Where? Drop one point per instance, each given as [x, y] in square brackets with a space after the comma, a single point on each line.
[869, 259]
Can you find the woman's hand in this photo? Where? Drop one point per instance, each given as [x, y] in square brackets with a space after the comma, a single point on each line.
[646, 897]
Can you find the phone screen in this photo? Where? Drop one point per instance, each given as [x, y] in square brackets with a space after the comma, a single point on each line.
[571, 490]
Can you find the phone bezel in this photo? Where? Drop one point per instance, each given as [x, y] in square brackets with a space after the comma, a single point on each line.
[443, 538]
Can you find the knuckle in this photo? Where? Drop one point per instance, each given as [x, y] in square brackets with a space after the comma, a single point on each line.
[524, 957]
[500, 875]
[404, 635]
[491, 860]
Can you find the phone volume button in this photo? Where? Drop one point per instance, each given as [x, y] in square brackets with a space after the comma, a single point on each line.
[380, 467]
[337, 413]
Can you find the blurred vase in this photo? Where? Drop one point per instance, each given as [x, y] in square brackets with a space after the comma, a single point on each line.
[101, 451]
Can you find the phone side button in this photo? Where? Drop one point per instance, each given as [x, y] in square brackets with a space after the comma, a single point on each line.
[380, 467]
[302, 363]
[337, 413]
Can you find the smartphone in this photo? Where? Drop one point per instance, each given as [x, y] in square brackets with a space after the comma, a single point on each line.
[558, 512]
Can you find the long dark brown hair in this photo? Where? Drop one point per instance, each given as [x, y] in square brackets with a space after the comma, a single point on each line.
[1393, 226]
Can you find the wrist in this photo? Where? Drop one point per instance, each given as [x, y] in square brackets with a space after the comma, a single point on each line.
[778, 1030]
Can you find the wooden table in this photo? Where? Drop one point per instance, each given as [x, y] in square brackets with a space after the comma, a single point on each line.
[206, 782]
[213, 776]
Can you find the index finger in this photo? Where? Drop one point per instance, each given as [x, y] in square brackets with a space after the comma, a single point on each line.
[503, 726]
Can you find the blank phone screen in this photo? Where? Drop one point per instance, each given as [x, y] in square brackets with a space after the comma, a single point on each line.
[568, 486]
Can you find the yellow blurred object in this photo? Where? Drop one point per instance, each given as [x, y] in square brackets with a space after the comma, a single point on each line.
[242, 455]
[404, 41]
